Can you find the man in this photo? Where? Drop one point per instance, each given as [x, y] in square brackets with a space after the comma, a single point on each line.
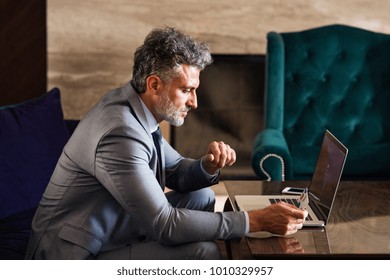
[106, 197]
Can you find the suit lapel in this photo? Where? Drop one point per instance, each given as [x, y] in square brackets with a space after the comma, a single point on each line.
[136, 106]
[138, 112]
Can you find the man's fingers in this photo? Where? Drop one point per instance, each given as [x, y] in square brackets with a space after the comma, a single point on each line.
[294, 211]
[223, 154]
[232, 157]
[209, 158]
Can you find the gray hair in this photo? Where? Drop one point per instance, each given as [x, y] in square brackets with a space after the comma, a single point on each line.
[163, 50]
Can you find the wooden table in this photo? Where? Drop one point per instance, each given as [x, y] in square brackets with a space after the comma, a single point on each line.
[358, 228]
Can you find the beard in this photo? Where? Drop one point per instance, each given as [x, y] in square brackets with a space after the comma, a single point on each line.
[169, 112]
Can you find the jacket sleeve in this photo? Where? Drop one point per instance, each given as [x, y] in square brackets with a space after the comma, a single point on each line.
[122, 165]
[184, 174]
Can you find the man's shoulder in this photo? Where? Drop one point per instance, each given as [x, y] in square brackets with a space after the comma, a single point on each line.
[113, 107]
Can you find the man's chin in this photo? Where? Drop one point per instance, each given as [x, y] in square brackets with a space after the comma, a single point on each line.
[176, 122]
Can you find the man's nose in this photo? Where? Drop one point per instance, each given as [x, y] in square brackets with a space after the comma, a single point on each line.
[193, 101]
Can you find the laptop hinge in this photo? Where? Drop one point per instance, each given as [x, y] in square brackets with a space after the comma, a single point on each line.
[317, 210]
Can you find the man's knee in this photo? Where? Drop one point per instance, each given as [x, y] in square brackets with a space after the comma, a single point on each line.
[203, 199]
[191, 251]
[208, 199]
[207, 251]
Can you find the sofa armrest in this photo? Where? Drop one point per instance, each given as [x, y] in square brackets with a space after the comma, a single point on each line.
[271, 158]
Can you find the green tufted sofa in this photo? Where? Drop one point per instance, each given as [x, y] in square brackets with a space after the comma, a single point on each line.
[334, 77]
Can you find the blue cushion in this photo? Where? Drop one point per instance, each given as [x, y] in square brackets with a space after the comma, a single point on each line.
[14, 234]
[32, 136]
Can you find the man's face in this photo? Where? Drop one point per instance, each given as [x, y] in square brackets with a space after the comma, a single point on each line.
[179, 95]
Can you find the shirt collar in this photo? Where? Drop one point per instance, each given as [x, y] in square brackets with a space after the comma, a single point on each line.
[153, 125]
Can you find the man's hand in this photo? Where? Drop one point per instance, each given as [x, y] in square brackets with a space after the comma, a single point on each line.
[280, 218]
[218, 156]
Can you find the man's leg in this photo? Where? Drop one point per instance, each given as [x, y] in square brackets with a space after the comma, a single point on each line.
[155, 251]
[203, 199]
[190, 251]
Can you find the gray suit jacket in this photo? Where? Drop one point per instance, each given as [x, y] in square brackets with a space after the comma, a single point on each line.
[104, 195]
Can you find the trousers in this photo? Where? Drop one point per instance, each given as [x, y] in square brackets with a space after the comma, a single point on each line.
[203, 200]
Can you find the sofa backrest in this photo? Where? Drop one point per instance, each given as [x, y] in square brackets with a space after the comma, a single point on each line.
[334, 77]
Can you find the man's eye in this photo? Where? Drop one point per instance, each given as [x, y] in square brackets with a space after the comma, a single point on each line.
[186, 91]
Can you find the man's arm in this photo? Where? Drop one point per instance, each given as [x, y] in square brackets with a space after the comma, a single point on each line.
[218, 156]
[185, 174]
[280, 218]
[122, 166]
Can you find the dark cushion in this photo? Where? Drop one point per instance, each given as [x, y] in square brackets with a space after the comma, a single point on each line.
[32, 136]
[14, 234]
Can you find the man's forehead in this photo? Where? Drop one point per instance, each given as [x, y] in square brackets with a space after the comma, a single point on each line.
[188, 74]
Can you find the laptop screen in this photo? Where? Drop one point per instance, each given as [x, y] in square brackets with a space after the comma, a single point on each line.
[327, 174]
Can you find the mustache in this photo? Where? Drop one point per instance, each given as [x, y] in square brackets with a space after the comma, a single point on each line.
[186, 109]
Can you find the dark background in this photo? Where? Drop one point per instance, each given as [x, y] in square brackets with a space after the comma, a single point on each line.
[230, 98]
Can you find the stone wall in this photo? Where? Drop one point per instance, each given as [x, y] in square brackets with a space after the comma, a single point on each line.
[91, 43]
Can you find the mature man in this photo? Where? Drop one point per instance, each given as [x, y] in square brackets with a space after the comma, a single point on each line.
[106, 197]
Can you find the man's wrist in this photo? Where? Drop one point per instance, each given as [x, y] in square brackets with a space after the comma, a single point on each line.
[206, 170]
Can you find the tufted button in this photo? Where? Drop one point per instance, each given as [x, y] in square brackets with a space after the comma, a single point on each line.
[370, 54]
[341, 55]
[339, 104]
[354, 127]
[293, 77]
[325, 78]
[309, 101]
[355, 78]
[291, 129]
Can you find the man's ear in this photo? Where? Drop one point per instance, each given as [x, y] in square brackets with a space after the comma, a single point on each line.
[153, 84]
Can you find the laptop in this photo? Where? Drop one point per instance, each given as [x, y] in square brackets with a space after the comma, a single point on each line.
[322, 189]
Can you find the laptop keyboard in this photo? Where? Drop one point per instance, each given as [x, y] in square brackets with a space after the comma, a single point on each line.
[289, 201]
